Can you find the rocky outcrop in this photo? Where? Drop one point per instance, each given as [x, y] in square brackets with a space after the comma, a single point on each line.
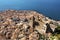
[25, 25]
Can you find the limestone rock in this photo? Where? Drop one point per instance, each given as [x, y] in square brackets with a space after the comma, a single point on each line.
[25, 25]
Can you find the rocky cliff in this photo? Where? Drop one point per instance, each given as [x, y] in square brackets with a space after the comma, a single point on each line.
[27, 25]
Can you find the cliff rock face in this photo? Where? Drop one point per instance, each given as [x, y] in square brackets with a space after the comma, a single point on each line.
[25, 25]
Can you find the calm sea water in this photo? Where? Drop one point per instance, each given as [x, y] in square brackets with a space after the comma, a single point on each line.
[49, 8]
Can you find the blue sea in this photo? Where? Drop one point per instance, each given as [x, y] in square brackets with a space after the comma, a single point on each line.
[50, 8]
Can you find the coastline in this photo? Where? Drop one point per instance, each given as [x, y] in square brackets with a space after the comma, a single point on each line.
[27, 25]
